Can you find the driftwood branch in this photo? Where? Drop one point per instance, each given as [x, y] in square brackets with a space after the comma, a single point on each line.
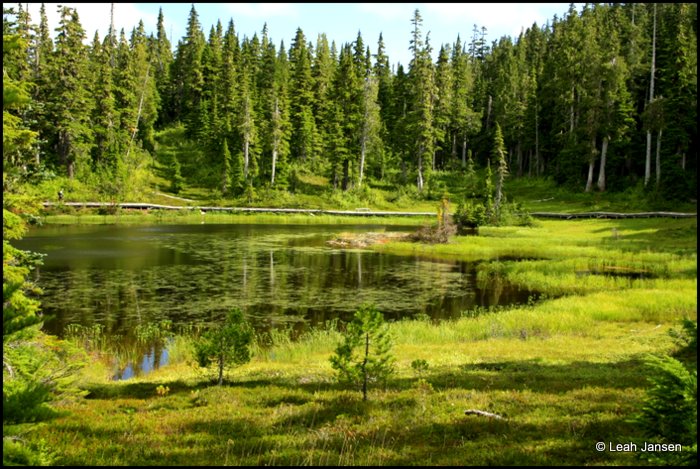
[483, 414]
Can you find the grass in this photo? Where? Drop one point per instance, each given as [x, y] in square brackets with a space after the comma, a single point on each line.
[560, 393]
[566, 371]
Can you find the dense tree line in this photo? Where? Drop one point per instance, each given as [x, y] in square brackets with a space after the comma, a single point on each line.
[602, 99]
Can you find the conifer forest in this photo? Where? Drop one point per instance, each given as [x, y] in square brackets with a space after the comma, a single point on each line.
[598, 100]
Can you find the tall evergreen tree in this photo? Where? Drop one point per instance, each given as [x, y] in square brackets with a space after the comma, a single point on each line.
[42, 51]
[104, 117]
[247, 128]
[465, 122]
[18, 141]
[161, 59]
[344, 119]
[387, 108]
[444, 78]
[280, 122]
[146, 90]
[499, 155]
[322, 72]
[229, 82]
[212, 120]
[68, 102]
[191, 73]
[615, 100]
[302, 99]
[370, 125]
[421, 121]
[676, 158]
[647, 164]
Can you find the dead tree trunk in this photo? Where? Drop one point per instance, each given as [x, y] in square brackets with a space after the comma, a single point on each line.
[601, 172]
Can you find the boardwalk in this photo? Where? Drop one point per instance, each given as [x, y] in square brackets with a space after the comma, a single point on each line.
[361, 212]
[144, 206]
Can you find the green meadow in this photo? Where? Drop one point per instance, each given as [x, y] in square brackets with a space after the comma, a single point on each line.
[565, 371]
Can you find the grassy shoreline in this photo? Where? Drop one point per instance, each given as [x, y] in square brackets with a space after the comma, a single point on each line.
[566, 372]
[190, 217]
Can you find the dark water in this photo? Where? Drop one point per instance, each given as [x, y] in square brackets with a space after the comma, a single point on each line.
[122, 277]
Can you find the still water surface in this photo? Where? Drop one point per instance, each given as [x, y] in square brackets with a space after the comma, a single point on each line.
[121, 277]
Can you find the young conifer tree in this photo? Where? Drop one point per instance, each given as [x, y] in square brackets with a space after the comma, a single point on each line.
[499, 155]
[365, 354]
[227, 345]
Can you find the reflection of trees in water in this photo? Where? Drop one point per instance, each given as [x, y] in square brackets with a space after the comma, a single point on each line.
[136, 359]
[276, 279]
[272, 282]
[142, 350]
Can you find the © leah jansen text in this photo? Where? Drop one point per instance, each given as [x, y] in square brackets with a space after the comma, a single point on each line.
[633, 447]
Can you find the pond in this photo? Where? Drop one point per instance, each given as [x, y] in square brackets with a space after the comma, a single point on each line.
[121, 277]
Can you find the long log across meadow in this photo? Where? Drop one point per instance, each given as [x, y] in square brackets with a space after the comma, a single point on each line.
[359, 211]
[147, 206]
[571, 216]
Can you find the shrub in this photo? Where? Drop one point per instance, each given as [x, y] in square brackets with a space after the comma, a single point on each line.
[177, 181]
[16, 452]
[470, 215]
[687, 340]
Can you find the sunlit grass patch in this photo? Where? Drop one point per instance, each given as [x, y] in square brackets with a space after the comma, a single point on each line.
[558, 393]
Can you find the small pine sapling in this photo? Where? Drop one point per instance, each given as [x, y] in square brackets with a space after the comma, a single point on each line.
[669, 413]
[226, 346]
[365, 354]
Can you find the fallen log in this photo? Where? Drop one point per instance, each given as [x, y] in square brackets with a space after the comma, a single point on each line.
[484, 414]
[312, 212]
[572, 216]
[359, 212]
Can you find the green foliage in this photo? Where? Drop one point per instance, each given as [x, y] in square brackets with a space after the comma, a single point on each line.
[25, 401]
[670, 411]
[18, 142]
[471, 182]
[250, 194]
[470, 214]
[498, 154]
[225, 345]
[177, 180]
[364, 356]
[420, 366]
[687, 339]
[37, 368]
[15, 452]
[37, 371]
[19, 311]
[487, 191]
[513, 214]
